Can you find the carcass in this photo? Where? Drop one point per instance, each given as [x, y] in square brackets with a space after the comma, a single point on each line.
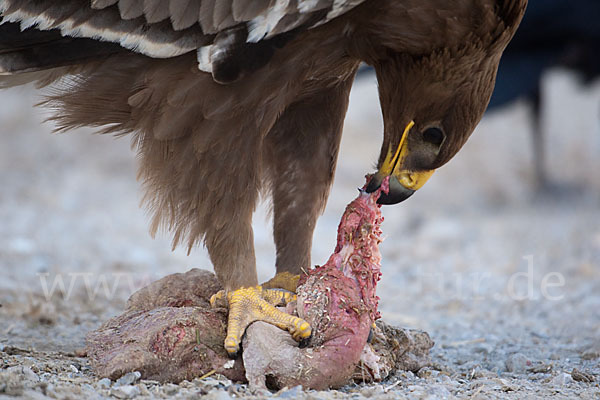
[170, 333]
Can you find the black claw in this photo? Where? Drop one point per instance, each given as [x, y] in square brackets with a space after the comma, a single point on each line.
[233, 356]
[370, 337]
[304, 342]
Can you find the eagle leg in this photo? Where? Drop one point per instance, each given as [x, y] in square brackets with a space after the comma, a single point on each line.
[300, 156]
[257, 303]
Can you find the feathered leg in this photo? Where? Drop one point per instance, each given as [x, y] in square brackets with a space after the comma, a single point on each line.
[301, 154]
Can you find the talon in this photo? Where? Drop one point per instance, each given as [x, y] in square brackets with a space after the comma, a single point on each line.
[247, 305]
[304, 342]
[219, 299]
[232, 346]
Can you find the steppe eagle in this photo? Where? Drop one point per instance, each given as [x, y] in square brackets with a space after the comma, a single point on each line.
[225, 98]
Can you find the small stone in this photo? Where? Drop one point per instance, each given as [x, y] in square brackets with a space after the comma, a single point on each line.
[217, 394]
[104, 383]
[129, 378]
[540, 368]
[591, 353]
[415, 392]
[88, 390]
[170, 389]
[562, 379]
[427, 372]
[73, 368]
[292, 393]
[582, 376]
[517, 363]
[50, 391]
[406, 375]
[144, 389]
[125, 392]
[507, 386]
[436, 392]
[27, 373]
[185, 384]
[237, 389]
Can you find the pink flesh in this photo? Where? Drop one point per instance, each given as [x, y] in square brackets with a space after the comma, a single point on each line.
[337, 299]
[170, 333]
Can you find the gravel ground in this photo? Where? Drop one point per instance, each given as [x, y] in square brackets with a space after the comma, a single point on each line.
[506, 282]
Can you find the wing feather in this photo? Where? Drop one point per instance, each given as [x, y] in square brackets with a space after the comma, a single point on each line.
[130, 9]
[184, 13]
[222, 17]
[156, 10]
[172, 27]
[100, 4]
[206, 16]
[246, 10]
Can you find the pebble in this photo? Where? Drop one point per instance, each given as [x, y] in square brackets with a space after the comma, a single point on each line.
[170, 389]
[437, 392]
[582, 376]
[27, 373]
[562, 379]
[216, 394]
[517, 363]
[129, 378]
[591, 353]
[125, 392]
[104, 383]
[292, 393]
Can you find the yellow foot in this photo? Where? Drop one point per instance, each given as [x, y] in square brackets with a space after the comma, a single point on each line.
[283, 280]
[247, 305]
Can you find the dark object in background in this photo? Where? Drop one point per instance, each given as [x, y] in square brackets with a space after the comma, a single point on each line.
[553, 33]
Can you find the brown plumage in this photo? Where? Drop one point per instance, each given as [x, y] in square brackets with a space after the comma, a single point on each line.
[269, 114]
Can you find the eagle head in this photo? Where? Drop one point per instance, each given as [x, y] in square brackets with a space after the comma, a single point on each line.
[436, 68]
[430, 105]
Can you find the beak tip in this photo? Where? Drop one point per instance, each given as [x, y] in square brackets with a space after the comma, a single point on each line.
[373, 185]
[394, 197]
[397, 192]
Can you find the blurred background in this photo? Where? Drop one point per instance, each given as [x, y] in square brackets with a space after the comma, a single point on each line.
[501, 248]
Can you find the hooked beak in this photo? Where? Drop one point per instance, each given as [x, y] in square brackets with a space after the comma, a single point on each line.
[403, 182]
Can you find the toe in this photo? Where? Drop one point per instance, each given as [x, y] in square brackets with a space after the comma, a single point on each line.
[247, 305]
[219, 299]
[283, 280]
[232, 345]
[297, 327]
[278, 297]
[301, 330]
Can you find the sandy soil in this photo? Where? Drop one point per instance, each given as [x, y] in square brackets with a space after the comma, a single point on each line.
[506, 282]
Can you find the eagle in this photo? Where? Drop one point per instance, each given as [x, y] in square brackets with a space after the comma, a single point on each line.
[228, 99]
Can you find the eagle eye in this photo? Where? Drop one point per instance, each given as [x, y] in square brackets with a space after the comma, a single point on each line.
[434, 136]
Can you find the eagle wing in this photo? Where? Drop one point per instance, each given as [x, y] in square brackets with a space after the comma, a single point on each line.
[169, 28]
